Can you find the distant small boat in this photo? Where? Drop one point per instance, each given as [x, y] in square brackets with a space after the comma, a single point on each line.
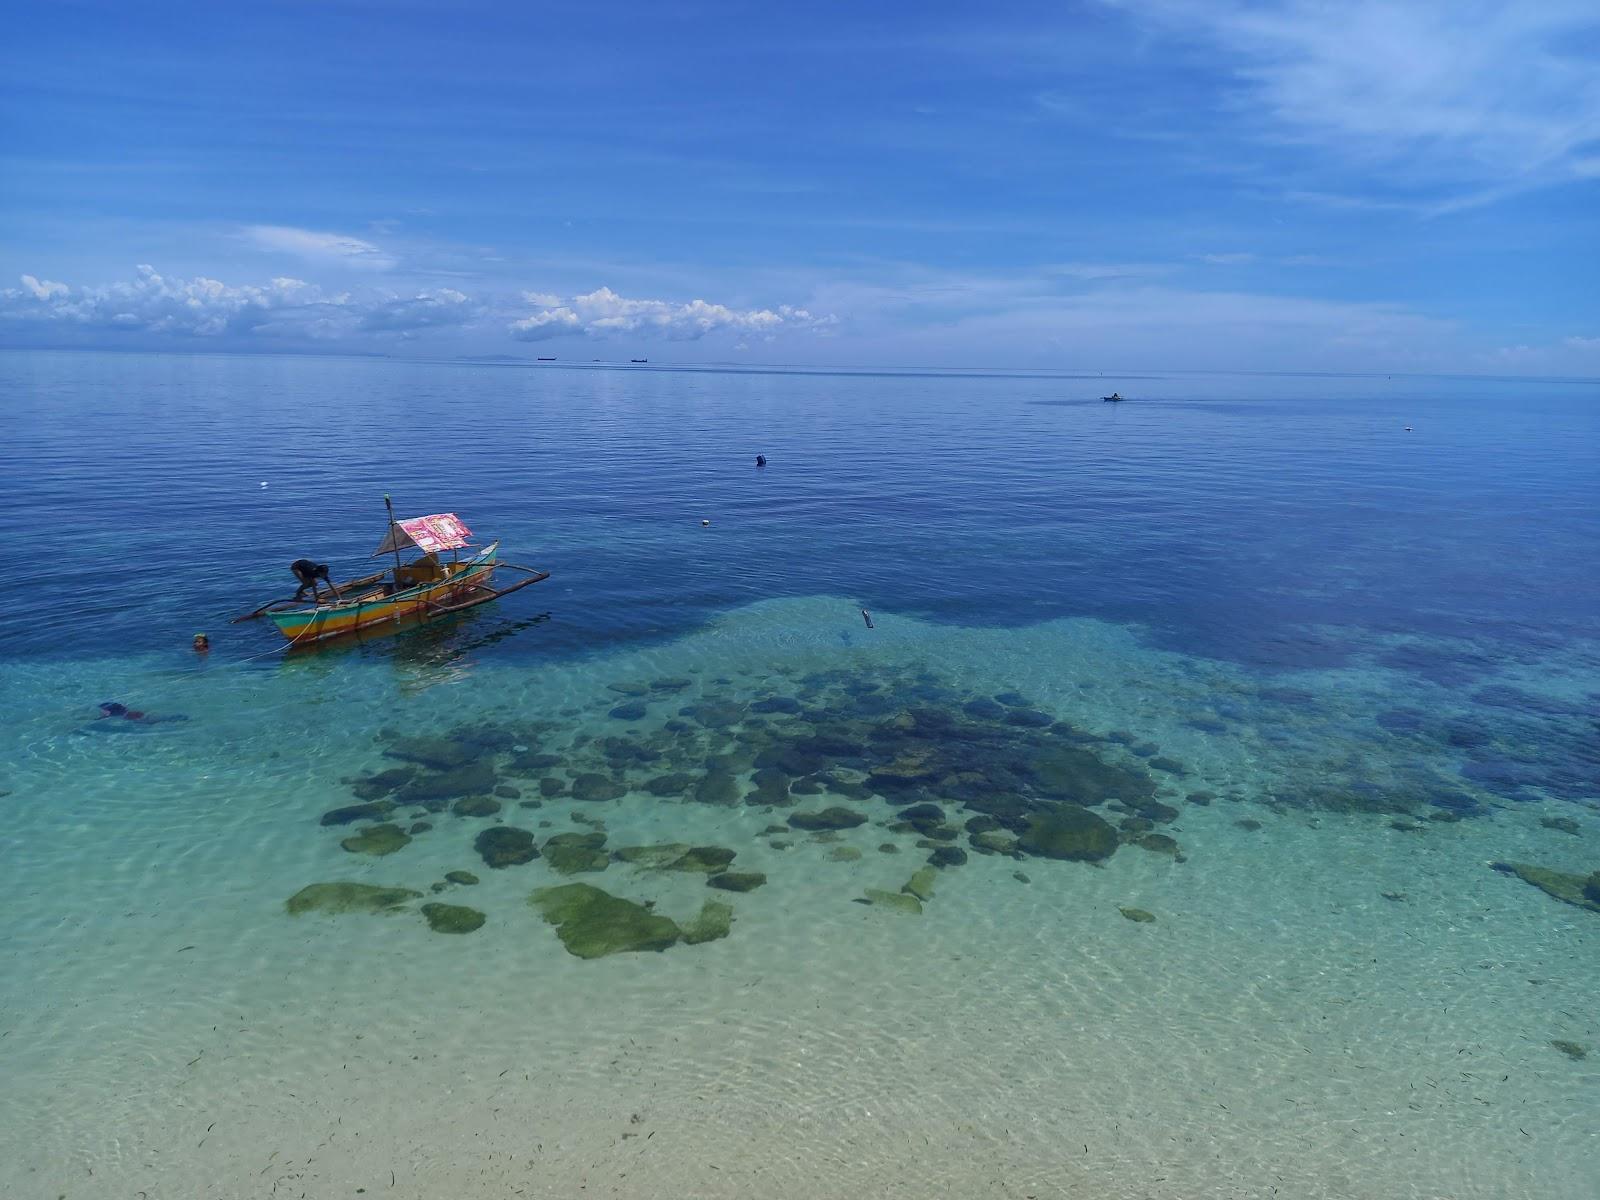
[542, 358]
[639, 360]
[1114, 398]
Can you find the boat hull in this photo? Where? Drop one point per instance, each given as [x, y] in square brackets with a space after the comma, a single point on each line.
[303, 625]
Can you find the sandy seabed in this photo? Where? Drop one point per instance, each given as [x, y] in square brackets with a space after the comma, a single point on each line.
[1282, 1028]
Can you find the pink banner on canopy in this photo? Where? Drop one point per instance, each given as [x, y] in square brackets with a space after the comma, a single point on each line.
[441, 531]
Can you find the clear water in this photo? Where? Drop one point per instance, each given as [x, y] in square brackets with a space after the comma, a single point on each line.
[1367, 657]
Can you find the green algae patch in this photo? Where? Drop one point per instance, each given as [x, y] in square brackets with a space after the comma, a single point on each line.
[844, 854]
[377, 840]
[713, 921]
[1572, 1050]
[348, 898]
[452, 918]
[1582, 891]
[1071, 833]
[576, 853]
[921, 884]
[737, 881]
[651, 857]
[894, 901]
[475, 806]
[462, 877]
[704, 860]
[1137, 915]
[592, 923]
[504, 846]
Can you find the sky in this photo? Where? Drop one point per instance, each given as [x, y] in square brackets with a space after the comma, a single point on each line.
[1105, 184]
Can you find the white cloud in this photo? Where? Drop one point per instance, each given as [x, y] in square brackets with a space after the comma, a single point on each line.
[285, 309]
[1232, 259]
[319, 247]
[603, 312]
[43, 290]
[1466, 92]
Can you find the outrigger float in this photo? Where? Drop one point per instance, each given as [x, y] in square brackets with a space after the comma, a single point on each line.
[427, 587]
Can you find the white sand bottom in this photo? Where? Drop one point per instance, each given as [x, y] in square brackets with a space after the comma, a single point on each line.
[1280, 1029]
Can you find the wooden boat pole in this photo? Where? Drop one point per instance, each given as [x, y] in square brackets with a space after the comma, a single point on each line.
[389, 504]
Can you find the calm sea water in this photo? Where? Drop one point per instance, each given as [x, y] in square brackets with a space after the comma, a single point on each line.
[1345, 627]
[1229, 514]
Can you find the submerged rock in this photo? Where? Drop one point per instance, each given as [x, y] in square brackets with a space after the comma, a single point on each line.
[357, 812]
[1137, 914]
[576, 853]
[707, 860]
[1572, 1050]
[439, 753]
[595, 788]
[632, 711]
[1559, 824]
[713, 921]
[828, 818]
[475, 806]
[651, 857]
[377, 840]
[737, 881]
[452, 918]
[948, 856]
[902, 902]
[592, 923]
[921, 884]
[1082, 777]
[466, 878]
[993, 842]
[717, 787]
[372, 787]
[348, 898]
[504, 846]
[1581, 891]
[1069, 832]
[675, 783]
[1160, 843]
[844, 854]
[470, 780]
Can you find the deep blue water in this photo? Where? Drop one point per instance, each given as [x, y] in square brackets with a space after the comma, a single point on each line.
[1276, 521]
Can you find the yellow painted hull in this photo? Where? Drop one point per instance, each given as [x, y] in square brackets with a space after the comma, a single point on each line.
[304, 625]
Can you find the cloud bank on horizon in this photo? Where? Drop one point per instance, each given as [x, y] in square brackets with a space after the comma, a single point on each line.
[1275, 184]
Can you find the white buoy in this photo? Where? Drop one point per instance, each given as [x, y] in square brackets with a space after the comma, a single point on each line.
[705, 522]
[263, 483]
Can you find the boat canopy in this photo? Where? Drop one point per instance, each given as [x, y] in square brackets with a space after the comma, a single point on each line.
[441, 531]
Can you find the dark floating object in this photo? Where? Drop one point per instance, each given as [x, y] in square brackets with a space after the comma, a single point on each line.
[867, 617]
[639, 360]
[1114, 398]
[542, 358]
[761, 460]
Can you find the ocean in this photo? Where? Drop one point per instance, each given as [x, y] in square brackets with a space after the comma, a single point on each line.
[999, 793]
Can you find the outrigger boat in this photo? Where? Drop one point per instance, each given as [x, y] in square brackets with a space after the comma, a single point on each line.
[427, 587]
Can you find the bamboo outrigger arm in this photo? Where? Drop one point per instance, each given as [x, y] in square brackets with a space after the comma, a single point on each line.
[490, 593]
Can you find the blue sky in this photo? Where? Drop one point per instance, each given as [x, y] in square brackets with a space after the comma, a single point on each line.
[1276, 184]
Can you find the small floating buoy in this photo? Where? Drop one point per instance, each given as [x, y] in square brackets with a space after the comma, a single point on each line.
[867, 617]
[263, 483]
[705, 522]
[1408, 429]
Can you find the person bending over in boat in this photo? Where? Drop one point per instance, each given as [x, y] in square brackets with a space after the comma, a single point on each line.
[308, 572]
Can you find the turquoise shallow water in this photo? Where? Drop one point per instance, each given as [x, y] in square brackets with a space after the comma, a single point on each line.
[1342, 668]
